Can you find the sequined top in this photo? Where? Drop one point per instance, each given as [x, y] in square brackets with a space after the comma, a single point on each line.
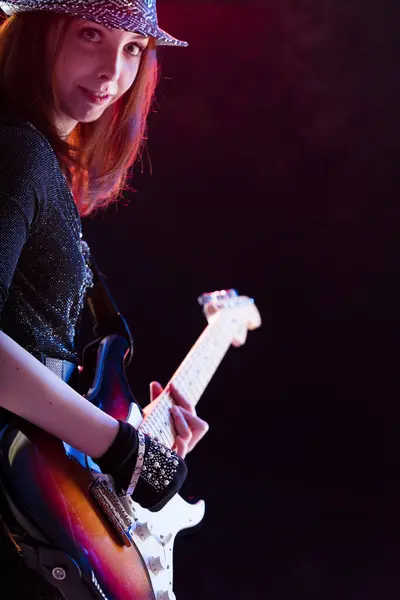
[44, 263]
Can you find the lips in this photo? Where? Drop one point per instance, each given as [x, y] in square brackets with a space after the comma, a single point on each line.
[100, 94]
[95, 97]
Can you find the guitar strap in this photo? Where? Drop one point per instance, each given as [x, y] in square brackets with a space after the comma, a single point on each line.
[107, 319]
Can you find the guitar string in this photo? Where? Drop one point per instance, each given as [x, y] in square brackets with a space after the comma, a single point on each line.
[190, 379]
[160, 422]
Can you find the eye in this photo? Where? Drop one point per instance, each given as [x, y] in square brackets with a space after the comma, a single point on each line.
[92, 33]
[137, 49]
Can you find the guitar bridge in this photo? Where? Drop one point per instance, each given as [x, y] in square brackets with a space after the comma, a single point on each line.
[103, 492]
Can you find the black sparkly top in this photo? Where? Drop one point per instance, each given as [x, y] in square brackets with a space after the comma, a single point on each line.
[44, 263]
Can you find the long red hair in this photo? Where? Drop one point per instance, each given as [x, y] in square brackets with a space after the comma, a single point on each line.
[97, 172]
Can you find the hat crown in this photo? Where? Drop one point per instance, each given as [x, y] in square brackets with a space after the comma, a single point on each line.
[142, 9]
[147, 9]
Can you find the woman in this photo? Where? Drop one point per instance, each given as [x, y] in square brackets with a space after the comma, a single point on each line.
[76, 81]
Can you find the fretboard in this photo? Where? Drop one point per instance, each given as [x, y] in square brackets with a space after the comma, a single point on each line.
[191, 378]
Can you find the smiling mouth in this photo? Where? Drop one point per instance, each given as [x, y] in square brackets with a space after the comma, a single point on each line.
[95, 97]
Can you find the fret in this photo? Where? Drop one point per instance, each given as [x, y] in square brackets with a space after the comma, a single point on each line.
[190, 379]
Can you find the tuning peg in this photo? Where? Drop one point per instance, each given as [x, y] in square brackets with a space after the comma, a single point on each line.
[217, 296]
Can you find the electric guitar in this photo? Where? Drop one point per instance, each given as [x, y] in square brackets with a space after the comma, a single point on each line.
[70, 525]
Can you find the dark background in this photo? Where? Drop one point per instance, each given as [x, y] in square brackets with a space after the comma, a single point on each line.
[274, 154]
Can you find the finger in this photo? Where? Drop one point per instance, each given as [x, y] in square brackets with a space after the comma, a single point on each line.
[180, 400]
[197, 427]
[182, 428]
[180, 447]
[183, 431]
[155, 390]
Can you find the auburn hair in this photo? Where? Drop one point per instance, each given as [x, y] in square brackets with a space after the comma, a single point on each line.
[96, 172]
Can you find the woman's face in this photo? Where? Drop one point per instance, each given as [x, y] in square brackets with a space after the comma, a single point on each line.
[94, 58]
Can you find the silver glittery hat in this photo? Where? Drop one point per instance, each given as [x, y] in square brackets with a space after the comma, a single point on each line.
[136, 16]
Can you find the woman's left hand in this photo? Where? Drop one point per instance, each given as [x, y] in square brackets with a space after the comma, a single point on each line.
[189, 427]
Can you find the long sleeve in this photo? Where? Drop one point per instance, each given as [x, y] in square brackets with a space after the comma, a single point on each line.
[15, 223]
[19, 202]
[43, 268]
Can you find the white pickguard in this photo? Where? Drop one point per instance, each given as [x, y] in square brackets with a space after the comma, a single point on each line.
[155, 532]
[154, 535]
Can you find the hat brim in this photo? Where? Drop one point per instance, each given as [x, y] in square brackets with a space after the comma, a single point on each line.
[124, 21]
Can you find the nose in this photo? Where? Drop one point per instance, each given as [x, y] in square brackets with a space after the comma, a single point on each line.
[110, 65]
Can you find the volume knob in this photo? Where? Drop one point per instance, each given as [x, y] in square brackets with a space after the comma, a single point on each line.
[168, 595]
[157, 564]
[144, 530]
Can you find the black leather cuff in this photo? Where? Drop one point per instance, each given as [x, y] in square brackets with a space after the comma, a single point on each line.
[162, 473]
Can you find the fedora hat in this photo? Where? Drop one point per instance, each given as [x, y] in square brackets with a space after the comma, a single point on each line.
[137, 16]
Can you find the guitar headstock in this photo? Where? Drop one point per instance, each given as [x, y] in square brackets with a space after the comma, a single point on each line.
[239, 311]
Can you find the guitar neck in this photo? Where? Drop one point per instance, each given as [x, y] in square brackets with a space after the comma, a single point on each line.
[191, 378]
